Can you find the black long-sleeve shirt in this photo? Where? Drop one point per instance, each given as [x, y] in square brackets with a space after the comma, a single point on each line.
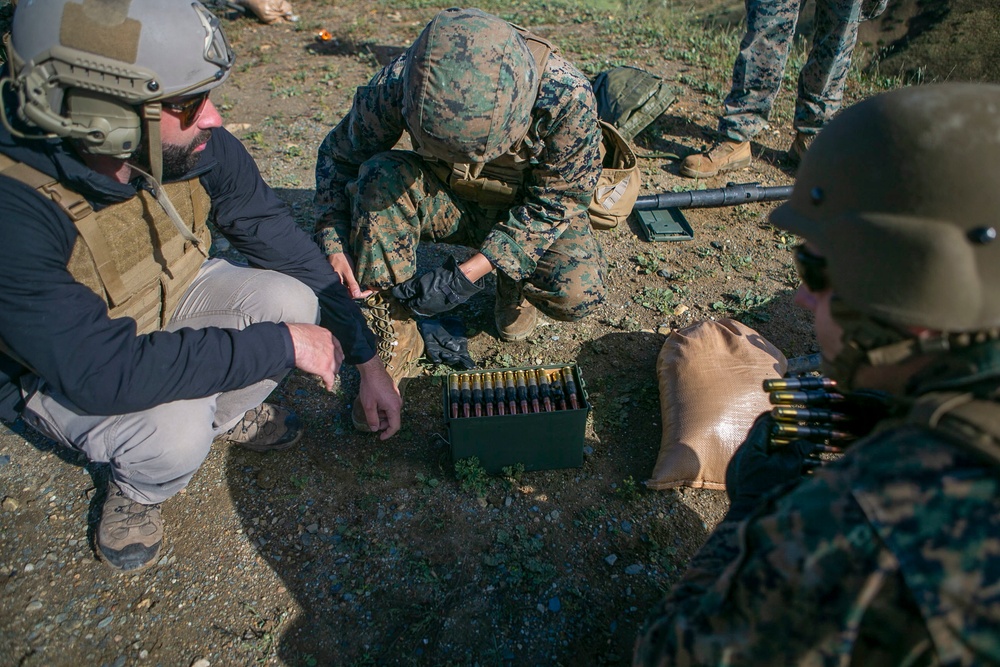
[61, 329]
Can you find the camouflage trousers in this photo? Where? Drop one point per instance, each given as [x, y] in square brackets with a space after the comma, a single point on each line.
[763, 55]
[398, 201]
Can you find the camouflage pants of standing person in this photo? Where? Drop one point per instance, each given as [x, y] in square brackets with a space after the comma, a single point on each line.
[398, 201]
[763, 55]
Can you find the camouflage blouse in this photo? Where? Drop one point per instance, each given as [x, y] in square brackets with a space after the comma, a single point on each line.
[563, 141]
[889, 556]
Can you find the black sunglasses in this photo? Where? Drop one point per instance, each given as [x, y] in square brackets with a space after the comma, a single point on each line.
[811, 269]
[187, 108]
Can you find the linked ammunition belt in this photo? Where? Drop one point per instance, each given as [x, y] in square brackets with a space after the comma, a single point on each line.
[810, 408]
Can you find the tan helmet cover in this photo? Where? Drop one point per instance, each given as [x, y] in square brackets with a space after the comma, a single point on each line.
[470, 85]
[901, 194]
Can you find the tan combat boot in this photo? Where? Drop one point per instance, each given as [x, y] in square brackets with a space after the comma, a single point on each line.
[724, 156]
[799, 147]
[515, 317]
[399, 344]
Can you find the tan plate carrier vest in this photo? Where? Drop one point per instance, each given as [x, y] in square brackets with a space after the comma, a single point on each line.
[130, 254]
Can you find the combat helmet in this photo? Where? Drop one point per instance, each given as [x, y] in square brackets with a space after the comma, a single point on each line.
[899, 194]
[97, 70]
[470, 83]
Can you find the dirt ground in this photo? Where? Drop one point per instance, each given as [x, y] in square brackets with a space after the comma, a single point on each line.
[351, 551]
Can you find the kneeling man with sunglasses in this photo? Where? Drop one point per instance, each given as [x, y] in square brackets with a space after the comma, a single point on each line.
[890, 554]
[119, 337]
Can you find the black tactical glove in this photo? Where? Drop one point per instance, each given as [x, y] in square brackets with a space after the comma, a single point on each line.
[757, 468]
[436, 291]
[446, 343]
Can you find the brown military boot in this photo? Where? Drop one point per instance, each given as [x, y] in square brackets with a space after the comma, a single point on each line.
[799, 146]
[399, 345]
[724, 156]
[265, 428]
[130, 534]
[515, 317]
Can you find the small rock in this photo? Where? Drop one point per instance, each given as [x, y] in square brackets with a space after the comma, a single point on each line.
[554, 604]
[4, 460]
[105, 622]
[312, 528]
[10, 504]
[265, 481]
[610, 560]
[508, 501]
[633, 569]
[143, 654]
[681, 309]
[201, 662]
[34, 605]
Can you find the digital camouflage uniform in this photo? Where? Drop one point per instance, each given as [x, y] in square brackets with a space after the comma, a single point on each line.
[378, 203]
[763, 54]
[888, 556]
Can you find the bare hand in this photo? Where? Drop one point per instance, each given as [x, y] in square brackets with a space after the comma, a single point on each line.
[344, 267]
[316, 351]
[379, 398]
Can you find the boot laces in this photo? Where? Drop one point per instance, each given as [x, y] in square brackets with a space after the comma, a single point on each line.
[378, 310]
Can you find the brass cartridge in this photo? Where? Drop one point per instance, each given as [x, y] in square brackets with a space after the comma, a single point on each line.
[570, 384]
[556, 387]
[453, 395]
[501, 395]
[532, 380]
[511, 390]
[808, 397]
[544, 391]
[521, 386]
[488, 397]
[808, 382]
[477, 395]
[784, 413]
[466, 394]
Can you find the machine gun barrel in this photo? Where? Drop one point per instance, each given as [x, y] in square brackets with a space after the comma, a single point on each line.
[731, 195]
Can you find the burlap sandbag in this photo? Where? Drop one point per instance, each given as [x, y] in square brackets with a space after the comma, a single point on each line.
[710, 377]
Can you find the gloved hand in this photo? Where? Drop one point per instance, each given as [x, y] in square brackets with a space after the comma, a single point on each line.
[445, 342]
[756, 469]
[436, 291]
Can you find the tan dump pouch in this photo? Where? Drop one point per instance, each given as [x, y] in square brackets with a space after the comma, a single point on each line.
[489, 185]
[620, 181]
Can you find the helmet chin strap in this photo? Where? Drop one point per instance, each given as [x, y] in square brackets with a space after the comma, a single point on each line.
[151, 113]
[868, 342]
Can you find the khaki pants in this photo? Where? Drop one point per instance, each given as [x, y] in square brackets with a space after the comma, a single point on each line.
[155, 452]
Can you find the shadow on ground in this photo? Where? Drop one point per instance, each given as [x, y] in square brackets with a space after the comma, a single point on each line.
[393, 560]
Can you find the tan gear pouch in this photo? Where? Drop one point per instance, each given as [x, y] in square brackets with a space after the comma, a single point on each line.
[620, 181]
[710, 377]
[270, 11]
